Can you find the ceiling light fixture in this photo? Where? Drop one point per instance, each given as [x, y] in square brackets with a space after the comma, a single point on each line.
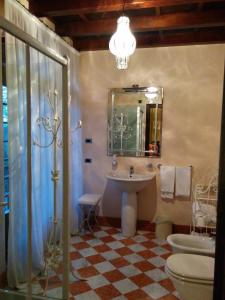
[122, 43]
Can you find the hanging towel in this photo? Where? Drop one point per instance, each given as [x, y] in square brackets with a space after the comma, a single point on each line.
[167, 179]
[183, 181]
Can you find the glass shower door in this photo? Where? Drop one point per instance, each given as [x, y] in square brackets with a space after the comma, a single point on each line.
[36, 166]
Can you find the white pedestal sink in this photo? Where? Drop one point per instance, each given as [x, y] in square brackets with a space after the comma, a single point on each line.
[129, 186]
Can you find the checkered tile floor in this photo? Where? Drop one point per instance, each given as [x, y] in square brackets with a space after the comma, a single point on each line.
[116, 268]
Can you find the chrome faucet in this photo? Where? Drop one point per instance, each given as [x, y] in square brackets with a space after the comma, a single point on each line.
[131, 171]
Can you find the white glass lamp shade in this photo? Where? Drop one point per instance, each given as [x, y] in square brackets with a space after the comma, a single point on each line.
[122, 43]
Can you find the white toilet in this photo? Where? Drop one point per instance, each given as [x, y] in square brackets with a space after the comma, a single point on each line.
[192, 275]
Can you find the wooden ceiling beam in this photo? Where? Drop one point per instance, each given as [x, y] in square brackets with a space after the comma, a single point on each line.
[56, 8]
[147, 41]
[158, 11]
[200, 6]
[83, 17]
[145, 23]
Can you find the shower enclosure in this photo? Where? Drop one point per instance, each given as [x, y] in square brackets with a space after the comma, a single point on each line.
[51, 113]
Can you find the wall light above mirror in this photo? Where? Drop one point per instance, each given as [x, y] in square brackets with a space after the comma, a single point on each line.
[135, 121]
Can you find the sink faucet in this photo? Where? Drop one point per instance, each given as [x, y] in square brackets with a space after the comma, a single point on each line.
[131, 171]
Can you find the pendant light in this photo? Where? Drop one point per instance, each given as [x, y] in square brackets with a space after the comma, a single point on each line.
[122, 43]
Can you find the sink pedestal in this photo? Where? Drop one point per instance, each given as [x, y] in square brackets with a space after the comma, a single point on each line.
[130, 186]
[129, 214]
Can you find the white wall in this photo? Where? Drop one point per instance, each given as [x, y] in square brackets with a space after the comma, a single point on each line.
[192, 78]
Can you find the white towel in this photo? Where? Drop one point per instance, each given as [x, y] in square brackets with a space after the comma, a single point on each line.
[167, 179]
[209, 211]
[203, 213]
[183, 181]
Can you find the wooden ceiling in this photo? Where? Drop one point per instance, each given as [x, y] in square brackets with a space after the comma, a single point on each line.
[90, 23]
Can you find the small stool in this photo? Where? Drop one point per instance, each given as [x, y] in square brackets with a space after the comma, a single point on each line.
[91, 201]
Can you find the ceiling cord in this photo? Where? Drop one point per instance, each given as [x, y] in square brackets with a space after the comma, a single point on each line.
[123, 6]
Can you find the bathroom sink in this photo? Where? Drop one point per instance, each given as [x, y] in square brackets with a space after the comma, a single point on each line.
[129, 186]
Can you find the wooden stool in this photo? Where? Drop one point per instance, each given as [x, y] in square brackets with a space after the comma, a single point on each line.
[91, 201]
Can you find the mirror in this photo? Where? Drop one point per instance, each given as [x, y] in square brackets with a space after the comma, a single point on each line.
[135, 121]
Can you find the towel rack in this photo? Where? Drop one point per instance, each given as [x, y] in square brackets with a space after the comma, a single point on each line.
[204, 205]
[159, 166]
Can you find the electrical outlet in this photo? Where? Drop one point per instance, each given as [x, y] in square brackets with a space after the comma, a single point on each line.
[88, 160]
[88, 140]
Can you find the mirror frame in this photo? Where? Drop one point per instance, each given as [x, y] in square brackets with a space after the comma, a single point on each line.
[110, 108]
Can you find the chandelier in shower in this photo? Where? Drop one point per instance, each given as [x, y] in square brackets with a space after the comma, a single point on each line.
[122, 43]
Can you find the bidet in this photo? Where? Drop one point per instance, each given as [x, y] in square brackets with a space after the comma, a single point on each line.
[195, 244]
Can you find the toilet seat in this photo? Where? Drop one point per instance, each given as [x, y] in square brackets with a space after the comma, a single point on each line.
[191, 267]
[186, 279]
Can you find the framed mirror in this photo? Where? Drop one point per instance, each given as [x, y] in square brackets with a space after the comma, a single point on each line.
[135, 121]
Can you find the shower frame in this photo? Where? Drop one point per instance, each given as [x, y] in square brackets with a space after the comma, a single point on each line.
[30, 42]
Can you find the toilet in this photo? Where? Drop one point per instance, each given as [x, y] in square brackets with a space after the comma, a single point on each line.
[194, 244]
[192, 275]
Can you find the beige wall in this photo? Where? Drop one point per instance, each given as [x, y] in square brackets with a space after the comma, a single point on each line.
[192, 78]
